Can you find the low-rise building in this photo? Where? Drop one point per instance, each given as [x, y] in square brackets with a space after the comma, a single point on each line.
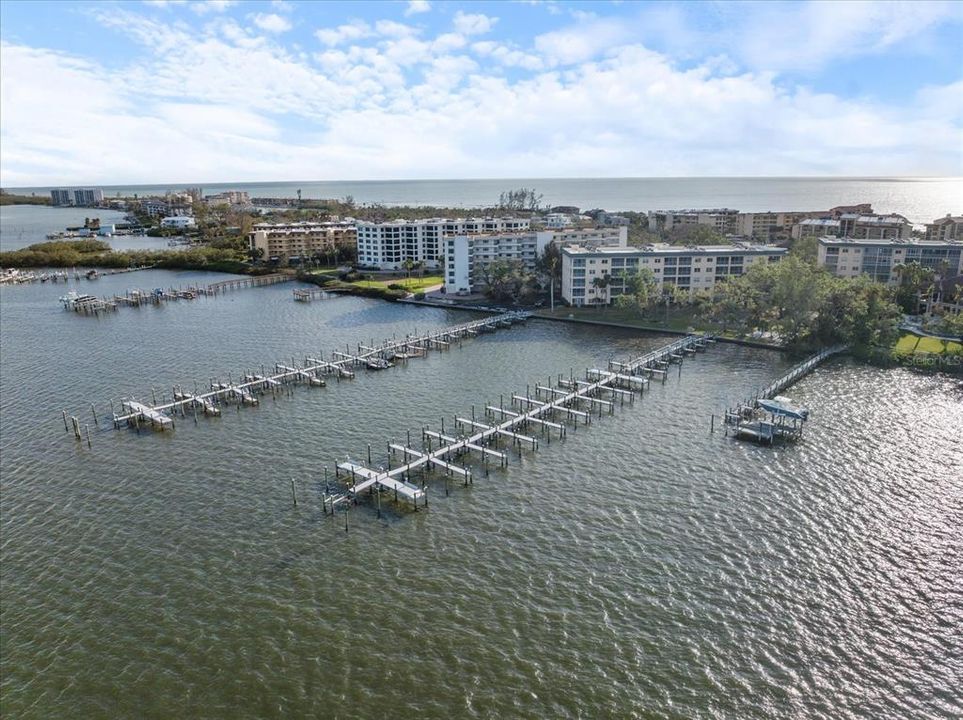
[557, 220]
[468, 257]
[179, 222]
[946, 228]
[388, 245]
[722, 220]
[282, 242]
[852, 257]
[598, 276]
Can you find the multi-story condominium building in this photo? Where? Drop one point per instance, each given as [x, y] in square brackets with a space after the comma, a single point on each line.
[557, 220]
[688, 268]
[773, 226]
[88, 197]
[469, 256]
[852, 257]
[816, 227]
[286, 241]
[229, 197]
[388, 245]
[722, 220]
[946, 228]
[874, 227]
[60, 197]
[154, 207]
[180, 222]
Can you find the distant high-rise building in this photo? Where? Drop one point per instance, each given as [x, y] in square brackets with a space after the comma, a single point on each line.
[60, 197]
[88, 196]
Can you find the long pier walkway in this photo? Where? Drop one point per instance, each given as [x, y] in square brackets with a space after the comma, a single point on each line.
[755, 418]
[573, 401]
[313, 372]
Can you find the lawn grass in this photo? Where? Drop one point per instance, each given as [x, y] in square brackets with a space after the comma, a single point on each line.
[910, 344]
[415, 284]
[682, 318]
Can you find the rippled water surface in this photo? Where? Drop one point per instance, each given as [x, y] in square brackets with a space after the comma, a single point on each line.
[642, 567]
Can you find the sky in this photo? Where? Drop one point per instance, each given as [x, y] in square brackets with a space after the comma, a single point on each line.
[207, 91]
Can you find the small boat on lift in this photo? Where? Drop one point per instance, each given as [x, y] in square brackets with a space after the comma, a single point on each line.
[781, 405]
[378, 364]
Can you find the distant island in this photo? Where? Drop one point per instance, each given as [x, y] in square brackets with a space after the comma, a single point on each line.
[7, 198]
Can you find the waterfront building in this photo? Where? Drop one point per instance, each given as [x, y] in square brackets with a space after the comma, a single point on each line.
[228, 197]
[816, 227]
[557, 220]
[286, 241]
[874, 227]
[852, 257]
[946, 228]
[388, 245]
[722, 220]
[468, 256]
[88, 197]
[596, 276]
[60, 197]
[179, 222]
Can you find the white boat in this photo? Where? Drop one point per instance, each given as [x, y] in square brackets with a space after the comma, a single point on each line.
[378, 364]
[73, 298]
[781, 405]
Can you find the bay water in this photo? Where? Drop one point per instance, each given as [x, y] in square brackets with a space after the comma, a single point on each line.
[642, 567]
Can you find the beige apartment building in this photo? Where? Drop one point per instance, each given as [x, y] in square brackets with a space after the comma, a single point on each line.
[285, 242]
[946, 228]
[688, 268]
[852, 257]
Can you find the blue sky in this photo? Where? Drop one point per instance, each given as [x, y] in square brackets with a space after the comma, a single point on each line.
[219, 91]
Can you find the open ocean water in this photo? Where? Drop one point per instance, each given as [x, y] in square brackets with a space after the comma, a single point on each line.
[643, 567]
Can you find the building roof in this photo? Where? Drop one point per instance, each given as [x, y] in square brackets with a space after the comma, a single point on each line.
[833, 240]
[665, 249]
[822, 222]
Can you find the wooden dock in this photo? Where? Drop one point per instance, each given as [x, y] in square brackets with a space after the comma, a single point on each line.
[760, 421]
[245, 282]
[312, 372]
[306, 295]
[572, 401]
[136, 298]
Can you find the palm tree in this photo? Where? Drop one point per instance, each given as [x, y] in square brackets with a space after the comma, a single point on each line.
[601, 283]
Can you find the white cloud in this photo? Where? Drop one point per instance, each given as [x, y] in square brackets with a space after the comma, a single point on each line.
[417, 6]
[354, 30]
[809, 35]
[206, 6]
[395, 29]
[581, 42]
[272, 22]
[473, 24]
[218, 103]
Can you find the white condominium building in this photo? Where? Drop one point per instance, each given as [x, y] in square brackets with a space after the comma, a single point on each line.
[852, 257]
[722, 220]
[469, 256]
[597, 276]
[282, 242]
[388, 245]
